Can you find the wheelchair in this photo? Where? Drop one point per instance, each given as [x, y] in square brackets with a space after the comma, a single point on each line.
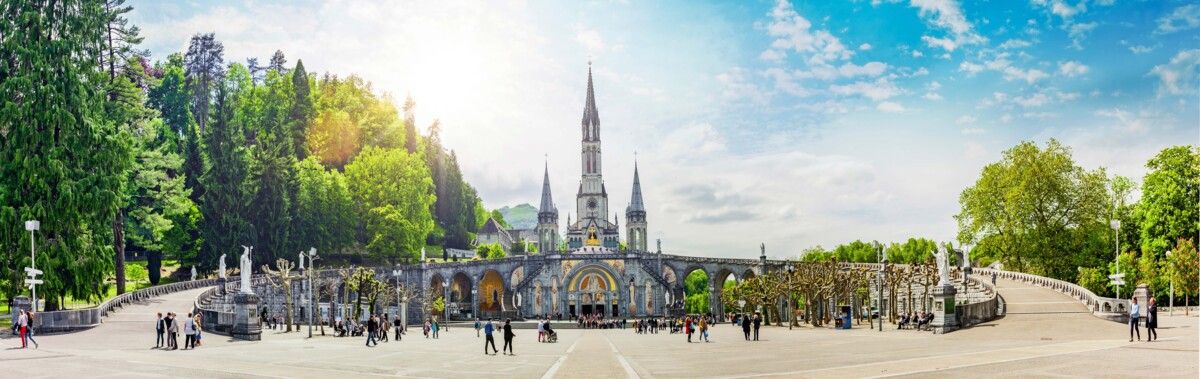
[553, 337]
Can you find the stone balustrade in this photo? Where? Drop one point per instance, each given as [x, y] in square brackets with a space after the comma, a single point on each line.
[79, 319]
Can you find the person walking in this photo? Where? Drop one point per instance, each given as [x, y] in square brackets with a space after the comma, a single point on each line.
[1133, 320]
[488, 339]
[687, 328]
[189, 332]
[1151, 321]
[757, 323]
[384, 327]
[31, 323]
[199, 328]
[435, 328]
[745, 326]
[704, 329]
[160, 327]
[172, 331]
[993, 279]
[508, 336]
[478, 327]
[541, 330]
[372, 325]
[23, 324]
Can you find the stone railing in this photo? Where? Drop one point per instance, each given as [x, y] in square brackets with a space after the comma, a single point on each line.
[212, 320]
[80, 319]
[974, 313]
[1103, 307]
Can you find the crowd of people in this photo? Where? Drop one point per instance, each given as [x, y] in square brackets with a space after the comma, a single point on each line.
[918, 321]
[167, 330]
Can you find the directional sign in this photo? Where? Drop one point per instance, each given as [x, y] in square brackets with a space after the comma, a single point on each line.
[33, 281]
[1117, 282]
[1116, 276]
[33, 271]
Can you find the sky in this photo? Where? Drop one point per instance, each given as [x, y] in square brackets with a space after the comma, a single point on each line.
[792, 124]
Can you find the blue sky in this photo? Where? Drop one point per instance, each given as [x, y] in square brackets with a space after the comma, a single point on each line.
[788, 123]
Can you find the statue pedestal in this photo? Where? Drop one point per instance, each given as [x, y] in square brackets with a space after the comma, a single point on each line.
[245, 317]
[944, 320]
[221, 286]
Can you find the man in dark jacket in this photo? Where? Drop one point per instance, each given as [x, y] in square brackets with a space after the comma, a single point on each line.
[160, 326]
[746, 326]
[508, 336]
[372, 325]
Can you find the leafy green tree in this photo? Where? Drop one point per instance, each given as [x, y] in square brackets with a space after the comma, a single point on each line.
[324, 210]
[456, 205]
[61, 162]
[696, 288]
[271, 163]
[226, 224]
[393, 189]
[1184, 268]
[301, 114]
[1045, 214]
[1170, 205]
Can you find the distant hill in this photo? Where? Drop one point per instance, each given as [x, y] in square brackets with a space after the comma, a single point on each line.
[523, 216]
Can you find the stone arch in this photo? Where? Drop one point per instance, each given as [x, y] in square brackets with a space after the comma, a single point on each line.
[516, 277]
[438, 285]
[491, 292]
[593, 287]
[724, 275]
[748, 274]
[706, 290]
[460, 287]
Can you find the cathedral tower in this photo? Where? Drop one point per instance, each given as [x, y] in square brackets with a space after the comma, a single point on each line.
[547, 228]
[592, 228]
[635, 216]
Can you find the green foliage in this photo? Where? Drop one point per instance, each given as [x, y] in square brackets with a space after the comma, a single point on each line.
[136, 272]
[490, 251]
[226, 199]
[392, 189]
[154, 267]
[325, 216]
[499, 217]
[1184, 267]
[271, 161]
[61, 162]
[695, 286]
[439, 305]
[1170, 208]
[1043, 214]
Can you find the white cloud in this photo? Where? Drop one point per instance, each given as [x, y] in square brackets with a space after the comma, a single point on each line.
[970, 68]
[1006, 118]
[1079, 32]
[890, 107]
[737, 86]
[1045, 97]
[932, 96]
[1182, 18]
[973, 131]
[1126, 121]
[590, 39]
[772, 55]
[864, 47]
[947, 15]
[1178, 77]
[878, 90]
[794, 32]
[1015, 44]
[917, 54]
[1072, 68]
[966, 119]
[1139, 49]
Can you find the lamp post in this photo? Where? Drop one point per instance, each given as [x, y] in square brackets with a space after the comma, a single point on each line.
[312, 301]
[32, 226]
[1171, 277]
[1116, 227]
[474, 302]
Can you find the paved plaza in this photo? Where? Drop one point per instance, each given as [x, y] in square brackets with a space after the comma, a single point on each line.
[1044, 334]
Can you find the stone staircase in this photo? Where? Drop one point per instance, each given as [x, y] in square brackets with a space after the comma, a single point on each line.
[530, 276]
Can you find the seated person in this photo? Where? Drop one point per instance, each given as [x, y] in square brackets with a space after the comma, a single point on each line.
[904, 321]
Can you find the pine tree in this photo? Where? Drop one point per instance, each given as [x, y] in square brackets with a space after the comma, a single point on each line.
[410, 125]
[61, 162]
[301, 114]
[224, 204]
[205, 63]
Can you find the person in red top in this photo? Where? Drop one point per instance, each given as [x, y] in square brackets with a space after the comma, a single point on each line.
[687, 327]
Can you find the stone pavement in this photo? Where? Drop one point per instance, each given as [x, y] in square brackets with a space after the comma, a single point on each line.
[1042, 336]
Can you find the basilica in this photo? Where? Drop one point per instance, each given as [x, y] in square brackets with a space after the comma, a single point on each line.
[593, 230]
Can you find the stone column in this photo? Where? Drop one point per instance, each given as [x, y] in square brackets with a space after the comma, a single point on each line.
[245, 317]
[944, 320]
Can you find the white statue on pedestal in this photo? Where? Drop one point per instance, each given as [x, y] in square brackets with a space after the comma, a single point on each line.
[301, 256]
[245, 269]
[943, 263]
[221, 272]
[193, 272]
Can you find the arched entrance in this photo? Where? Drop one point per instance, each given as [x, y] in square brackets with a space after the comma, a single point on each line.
[460, 294]
[592, 292]
[491, 294]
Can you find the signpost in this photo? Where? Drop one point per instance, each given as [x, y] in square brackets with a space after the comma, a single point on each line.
[32, 226]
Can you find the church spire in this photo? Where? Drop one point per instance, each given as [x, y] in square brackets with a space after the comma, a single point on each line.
[547, 205]
[591, 117]
[635, 202]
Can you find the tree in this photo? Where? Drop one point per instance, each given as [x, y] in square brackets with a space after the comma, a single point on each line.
[456, 205]
[277, 62]
[392, 188]
[283, 273]
[1039, 211]
[205, 61]
[225, 200]
[324, 212]
[1170, 208]
[1184, 268]
[61, 162]
[410, 125]
[120, 38]
[301, 114]
[362, 281]
[696, 287]
[271, 163]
